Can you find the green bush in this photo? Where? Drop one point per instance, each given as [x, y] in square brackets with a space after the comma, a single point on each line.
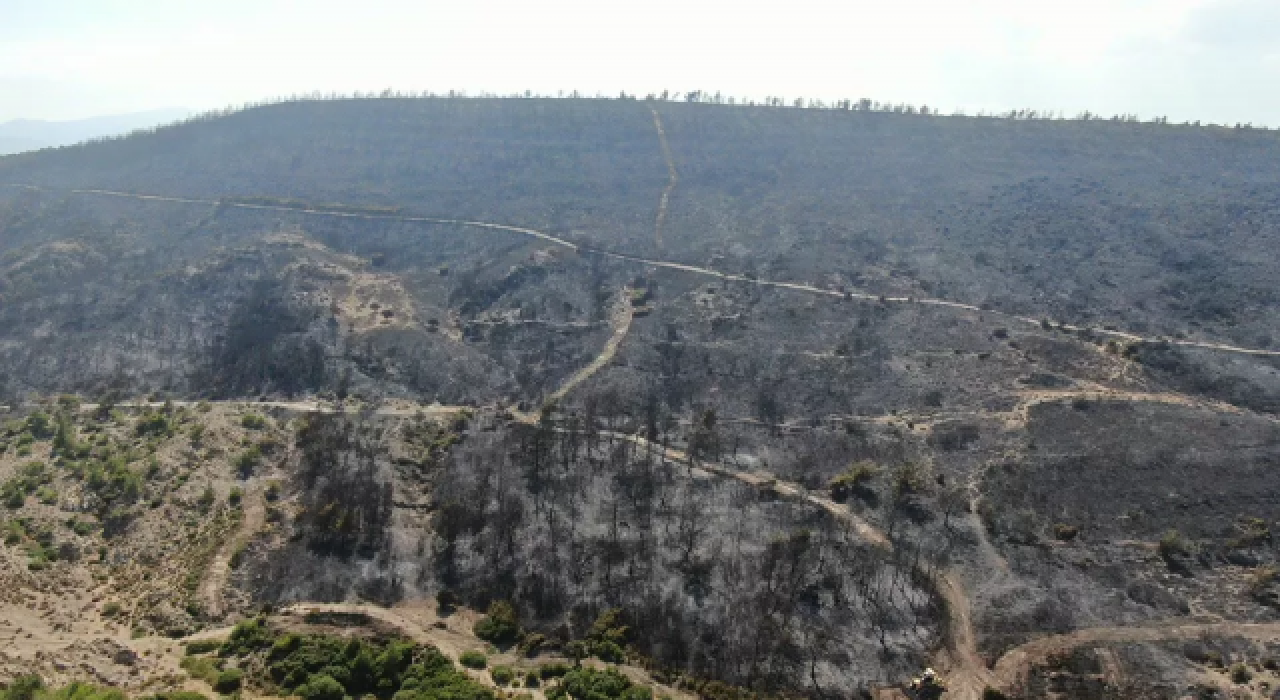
[23, 688]
[322, 687]
[253, 421]
[1172, 546]
[499, 626]
[152, 424]
[473, 659]
[553, 670]
[247, 461]
[531, 679]
[246, 638]
[201, 668]
[228, 681]
[203, 646]
[855, 480]
[502, 675]
[590, 684]
[40, 425]
[1240, 674]
[989, 693]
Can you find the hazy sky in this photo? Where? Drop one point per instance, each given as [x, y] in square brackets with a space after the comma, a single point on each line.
[1214, 60]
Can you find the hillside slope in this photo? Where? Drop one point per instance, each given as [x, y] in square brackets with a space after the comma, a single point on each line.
[812, 397]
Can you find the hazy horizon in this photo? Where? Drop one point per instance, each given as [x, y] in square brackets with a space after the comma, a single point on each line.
[1209, 60]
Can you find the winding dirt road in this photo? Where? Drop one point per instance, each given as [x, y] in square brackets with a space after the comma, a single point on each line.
[666, 264]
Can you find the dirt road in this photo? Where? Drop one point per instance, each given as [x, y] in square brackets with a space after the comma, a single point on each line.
[665, 264]
[672, 178]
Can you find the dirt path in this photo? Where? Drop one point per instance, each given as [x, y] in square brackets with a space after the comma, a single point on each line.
[622, 316]
[1015, 663]
[794, 286]
[966, 674]
[219, 571]
[794, 492]
[672, 178]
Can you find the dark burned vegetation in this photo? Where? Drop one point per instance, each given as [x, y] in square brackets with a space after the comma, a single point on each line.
[758, 489]
[712, 577]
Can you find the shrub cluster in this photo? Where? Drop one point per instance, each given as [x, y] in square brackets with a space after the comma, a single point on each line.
[321, 667]
[591, 684]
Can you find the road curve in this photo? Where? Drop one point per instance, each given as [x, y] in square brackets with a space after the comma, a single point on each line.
[667, 264]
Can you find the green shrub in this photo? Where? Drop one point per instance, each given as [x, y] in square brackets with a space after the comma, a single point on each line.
[235, 497]
[23, 688]
[253, 421]
[237, 555]
[473, 659]
[590, 684]
[228, 681]
[502, 675]
[111, 609]
[203, 646]
[499, 626]
[272, 493]
[201, 668]
[1240, 674]
[40, 425]
[553, 670]
[531, 679]
[247, 461]
[322, 687]
[532, 644]
[1172, 546]
[853, 481]
[181, 695]
[153, 424]
[206, 499]
[989, 693]
[247, 637]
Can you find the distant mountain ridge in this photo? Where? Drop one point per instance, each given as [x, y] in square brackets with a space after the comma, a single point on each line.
[21, 135]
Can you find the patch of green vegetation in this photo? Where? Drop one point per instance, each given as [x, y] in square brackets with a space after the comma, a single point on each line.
[607, 637]
[228, 681]
[499, 626]
[554, 670]
[201, 668]
[323, 667]
[591, 684]
[1240, 674]
[253, 421]
[203, 646]
[31, 477]
[32, 688]
[502, 675]
[1172, 546]
[247, 461]
[154, 424]
[40, 425]
[473, 659]
[854, 481]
